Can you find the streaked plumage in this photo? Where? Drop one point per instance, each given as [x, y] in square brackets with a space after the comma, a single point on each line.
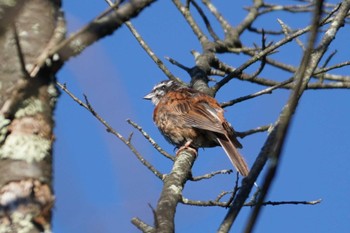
[185, 115]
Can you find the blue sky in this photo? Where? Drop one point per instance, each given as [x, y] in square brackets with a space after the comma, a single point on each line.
[100, 185]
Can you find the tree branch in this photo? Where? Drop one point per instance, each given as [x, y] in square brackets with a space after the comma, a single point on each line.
[172, 191]
[308, 64]
[109, 129]
[100, 27]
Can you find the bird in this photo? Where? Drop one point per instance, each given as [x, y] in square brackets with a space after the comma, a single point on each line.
[189, 118]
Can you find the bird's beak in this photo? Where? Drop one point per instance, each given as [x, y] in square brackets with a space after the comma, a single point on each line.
[149, 96]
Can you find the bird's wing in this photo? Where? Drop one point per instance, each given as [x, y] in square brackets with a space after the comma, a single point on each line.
[206, 114]
[197, 110]
[202, 116]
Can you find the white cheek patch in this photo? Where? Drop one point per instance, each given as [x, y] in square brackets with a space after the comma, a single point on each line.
[155, 100]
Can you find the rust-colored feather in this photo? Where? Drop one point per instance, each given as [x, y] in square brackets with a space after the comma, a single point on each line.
[185, 115]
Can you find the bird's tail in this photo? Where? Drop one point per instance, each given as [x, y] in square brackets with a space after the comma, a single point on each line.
[236, 158]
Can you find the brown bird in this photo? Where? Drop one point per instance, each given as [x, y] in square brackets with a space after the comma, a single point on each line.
[187, 117]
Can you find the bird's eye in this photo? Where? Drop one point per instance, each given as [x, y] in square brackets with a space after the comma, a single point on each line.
[162, 87]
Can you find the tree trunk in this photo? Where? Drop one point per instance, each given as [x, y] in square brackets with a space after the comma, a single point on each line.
[27, 30]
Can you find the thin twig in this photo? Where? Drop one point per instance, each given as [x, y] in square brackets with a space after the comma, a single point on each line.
[224, 24]
[234, 192]
[146, 47]
[190, 20]
[206, 21]
[250, 17]
[263, 58]
[256, 94]
[222, 194]
[269, 32]
[186, 201]
[274, 203]
[225, 204]
[329, 58]
[253, 131]
[176, 63]
[153, 143]
[151, 53]
[109, 129]
[210, 175]
[333, 77]
[287, 30]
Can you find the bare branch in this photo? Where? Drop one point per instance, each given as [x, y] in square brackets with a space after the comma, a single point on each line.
[286, 30]
[186, 201]
[153, 143]
[206, 63]
[109, 129]
[150, 52]
[142, 226]
[253, 131]
[172, 190]
[234, 192]
[57, 36]
[224, 193]
[251, 16]
[261, 160]
[329, 58]
[257, 56]
[333, 85]
[224, 24]
[263, 58]
[256, 94]
[103, 25]
[216, 203]
[334, 77]
[308, 65]
[231, 40]
[190, 20]
[270, 32]
[206, 21]
[274, 203]
[210, 175]
[176, 63]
